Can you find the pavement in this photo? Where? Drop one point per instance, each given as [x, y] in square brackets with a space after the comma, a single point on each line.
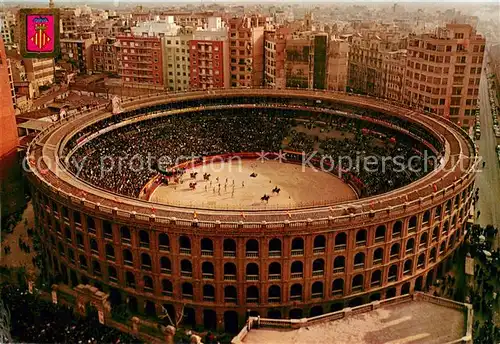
[488, 179]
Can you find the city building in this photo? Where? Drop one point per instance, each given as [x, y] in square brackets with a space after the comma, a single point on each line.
[393, 66]
[373, 54]
[209, 56]
[140, 60]
[443, 72]
[7, 27]
[306, 60]
[246, 39]
[104, 57]
[76, 49]
[8, 139]
[337, 65]
[274, 57]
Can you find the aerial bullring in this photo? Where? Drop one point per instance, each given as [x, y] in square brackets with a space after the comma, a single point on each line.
[116, 205]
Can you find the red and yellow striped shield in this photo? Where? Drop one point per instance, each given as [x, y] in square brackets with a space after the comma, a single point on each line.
[40, 38]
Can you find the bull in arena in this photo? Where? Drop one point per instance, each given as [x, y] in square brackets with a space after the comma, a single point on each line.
[276, 190]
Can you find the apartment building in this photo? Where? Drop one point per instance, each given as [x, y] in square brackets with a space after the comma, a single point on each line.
[393, 67]
[8, 139]
[246, 39]
[76, 49]
[443, 72]
[7, 27]
[209, 57]
[337, 65]
[140, 60]
[368, 56]
[274, 57]
[104, 56]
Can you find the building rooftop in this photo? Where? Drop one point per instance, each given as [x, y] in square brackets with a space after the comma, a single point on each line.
[405, 319]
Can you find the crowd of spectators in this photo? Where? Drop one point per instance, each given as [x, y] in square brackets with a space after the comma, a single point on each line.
[34, 320]
[125, 159]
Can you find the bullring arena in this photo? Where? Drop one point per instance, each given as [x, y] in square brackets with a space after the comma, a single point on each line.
[327, 241]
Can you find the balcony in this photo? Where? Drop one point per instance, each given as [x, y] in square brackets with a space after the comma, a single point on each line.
[394, 256]
[340, 247]
[229, 254]
[92, 231]
[186, 251]
[377, 261]
[274, 253]
[164, 248]
[252, 300]
[128, 263]
[338, 270]
[207, 253]
[360, 243]
[146, 267]
[318, 250]
[209, 298]
[296, 297]
[357, 288]
[392, 278]
[316, 295]
[274, 277]
[229, 299]
[252, 277]
[295, 275]
[337, 292]
[379, 239]
[108, 236]
[144, 244]
[229, 277]
[187, 296]
[274, 299]
[167, 293]
[126, 241]
[113, 279]
[375, 283]
[252, 254]
[359, 266]
[299, 252]
[186, 274]
[209, 276]
[318, 273]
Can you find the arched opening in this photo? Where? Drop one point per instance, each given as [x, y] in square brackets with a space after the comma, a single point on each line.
[421, 261]
[361, 238]
[297, 269]
[186, 268]
[125, 234]
[170, 310]
[231, 322]
[410, 245]
[359, 260]
[274, 314]
[448, 207]
[396, 229]
[150, 308]
[145, 261]
[380, 233]
[358, 301]
[274, 294]
[132, 304]
[446, 227]
[339, 264]
[393, 273]
[252, 272]
[412, 224]
[163, 242]
[419, 283]
[426, 217]
[318, 268]
[423, 241]
[435, 233]
[296, 292]
[115, 297]
[442, 248]
[74, 278]
[230, 294]
[408, 267]
[94, 247]
[207, 270]
[275, 248]
[317, 290]
[375, 297]
[208, 293]
[252, 248]
[148, 284]
[67, 233]
[128, 259]
[391, 292]
[394, 251]
[83, 262]
[91, 225]
[432, 258]
[378, 256]
[165, 266]
[130, 279]
[229, 246]
[274, 271]
[107, 229]
[189, 317]
[209, 319]
[207, 247]
[110, 252]
[429, 280]
[167, 287]
[437, 212]
[340, 241]
[405, 289]
[319, 244]
[112, 275]
[184, 245]
[252, 294]
[187, 290]
[79, 240]
[338, 287]
[295, 313]
[315, 311]
[376, 279]
[229, 272]
[357, 283]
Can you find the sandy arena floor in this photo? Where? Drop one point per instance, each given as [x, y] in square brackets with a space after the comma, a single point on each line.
[298, 187]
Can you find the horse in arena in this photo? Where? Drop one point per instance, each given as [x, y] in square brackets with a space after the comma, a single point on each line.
[253, 175]
[192, 186]
[193, 175]
[206, 176]
[265, 198]
[276, 190]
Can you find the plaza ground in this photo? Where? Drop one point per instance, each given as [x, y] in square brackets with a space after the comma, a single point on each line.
[298, 186]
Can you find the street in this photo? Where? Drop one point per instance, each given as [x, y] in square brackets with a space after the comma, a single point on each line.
[488, 179]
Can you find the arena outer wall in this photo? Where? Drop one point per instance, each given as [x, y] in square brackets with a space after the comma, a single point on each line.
[89, 235]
